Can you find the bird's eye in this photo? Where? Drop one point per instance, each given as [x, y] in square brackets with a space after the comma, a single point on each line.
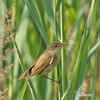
[56, 46]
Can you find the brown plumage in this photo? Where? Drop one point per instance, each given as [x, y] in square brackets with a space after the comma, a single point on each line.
[44, 64]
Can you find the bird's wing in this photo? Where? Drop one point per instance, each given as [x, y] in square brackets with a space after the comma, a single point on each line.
[39, 65]
[44, 61]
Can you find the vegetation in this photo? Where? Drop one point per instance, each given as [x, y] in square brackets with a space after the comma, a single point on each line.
[27, 27]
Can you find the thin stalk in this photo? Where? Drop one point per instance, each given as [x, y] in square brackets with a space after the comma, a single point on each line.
[55, 30]
[62, 39]
[54, 9]
[23, 90]
[20, 61]
[11, 24]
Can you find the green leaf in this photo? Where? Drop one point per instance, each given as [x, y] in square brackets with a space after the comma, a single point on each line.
[80, 67]
[34, 11]
[23, 90]
[20, 40]
[93, 50]
[77, 22]
[50, 14]
[58, 4]
[93, 83]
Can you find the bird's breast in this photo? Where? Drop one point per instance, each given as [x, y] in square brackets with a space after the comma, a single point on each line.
[52, 65]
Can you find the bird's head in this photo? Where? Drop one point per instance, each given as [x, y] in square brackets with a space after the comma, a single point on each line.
[56, 46]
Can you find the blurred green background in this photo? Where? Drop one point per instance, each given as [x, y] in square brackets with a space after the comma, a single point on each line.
[27, 27]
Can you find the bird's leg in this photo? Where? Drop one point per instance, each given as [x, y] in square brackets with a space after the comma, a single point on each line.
[56, 81]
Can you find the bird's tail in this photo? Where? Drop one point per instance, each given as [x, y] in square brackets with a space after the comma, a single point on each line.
[23, 75]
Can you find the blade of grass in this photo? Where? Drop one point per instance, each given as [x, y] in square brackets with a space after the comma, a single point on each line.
[58, 4]
[62, 51]
[62, 37]
[79, 73]
[34, 11]
[76, 25]
[90, 54]
[93, 83]
[19, 33]
[93, 50]
[79, 17]
[51, 16]
[23, 90]
[77, 95]
[20, 61]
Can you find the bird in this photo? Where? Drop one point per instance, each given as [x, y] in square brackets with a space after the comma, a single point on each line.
[46, 62]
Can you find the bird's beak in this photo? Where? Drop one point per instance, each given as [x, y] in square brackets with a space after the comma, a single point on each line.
[64, 43]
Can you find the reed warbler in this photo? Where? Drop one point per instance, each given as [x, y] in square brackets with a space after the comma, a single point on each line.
[46, 62]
